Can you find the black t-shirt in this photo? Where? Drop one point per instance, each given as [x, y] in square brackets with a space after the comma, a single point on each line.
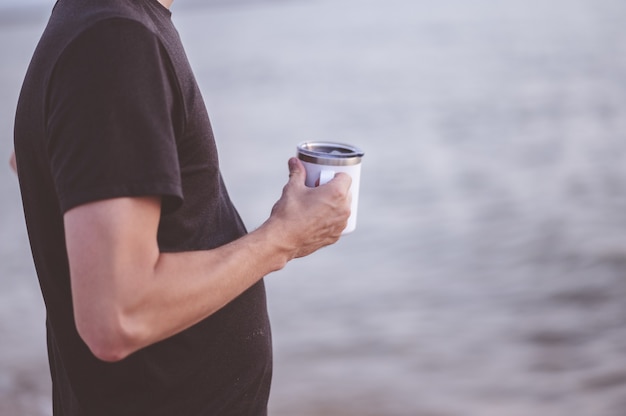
[110, 108]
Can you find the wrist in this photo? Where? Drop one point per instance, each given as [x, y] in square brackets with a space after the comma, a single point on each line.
[276, 239]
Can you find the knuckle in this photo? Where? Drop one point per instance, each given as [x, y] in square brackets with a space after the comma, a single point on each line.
[345, 178]
[338, 193]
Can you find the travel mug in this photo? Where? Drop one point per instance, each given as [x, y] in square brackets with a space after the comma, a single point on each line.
[322, 160]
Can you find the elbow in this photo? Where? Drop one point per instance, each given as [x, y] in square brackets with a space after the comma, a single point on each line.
[13, 163]
[107, 352]
[107, 339]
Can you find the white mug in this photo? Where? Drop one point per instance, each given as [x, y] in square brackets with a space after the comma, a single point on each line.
[322, 160]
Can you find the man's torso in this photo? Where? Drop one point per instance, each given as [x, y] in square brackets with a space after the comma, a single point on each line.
[221, 365]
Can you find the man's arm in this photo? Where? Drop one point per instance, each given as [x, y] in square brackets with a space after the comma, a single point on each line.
[127, 295]
[13, 163]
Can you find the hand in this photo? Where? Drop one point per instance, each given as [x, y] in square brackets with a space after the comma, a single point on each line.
[311, 218]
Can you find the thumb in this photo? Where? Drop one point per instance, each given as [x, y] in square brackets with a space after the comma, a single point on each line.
[297, 173]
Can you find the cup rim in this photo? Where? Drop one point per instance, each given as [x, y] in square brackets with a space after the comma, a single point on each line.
[329, 153]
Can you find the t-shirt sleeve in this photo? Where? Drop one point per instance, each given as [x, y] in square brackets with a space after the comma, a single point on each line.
[112, 112]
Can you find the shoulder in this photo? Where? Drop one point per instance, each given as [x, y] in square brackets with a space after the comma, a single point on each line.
[72, 17]
[98, 24]
[113, 33]
[115, 52]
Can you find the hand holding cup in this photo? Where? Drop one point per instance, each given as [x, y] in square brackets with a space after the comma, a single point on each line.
[311, 218]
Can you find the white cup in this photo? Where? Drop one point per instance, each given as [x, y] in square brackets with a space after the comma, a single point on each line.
[322, 160]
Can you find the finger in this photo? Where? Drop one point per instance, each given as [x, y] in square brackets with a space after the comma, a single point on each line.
[343, 180]
[297, 173]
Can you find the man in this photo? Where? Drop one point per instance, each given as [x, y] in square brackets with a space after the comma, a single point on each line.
[153, 289]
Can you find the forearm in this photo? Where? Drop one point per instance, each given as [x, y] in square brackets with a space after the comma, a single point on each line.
[178, 290]
[187, 287]
[128, 295]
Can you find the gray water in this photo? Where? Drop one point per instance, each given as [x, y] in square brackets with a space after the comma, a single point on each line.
[487, 275]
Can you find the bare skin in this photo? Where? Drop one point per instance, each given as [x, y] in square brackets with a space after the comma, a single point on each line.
[166, 3]
[127, 295]
[13, 163]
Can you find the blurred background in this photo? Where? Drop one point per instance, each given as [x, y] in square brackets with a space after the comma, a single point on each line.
[487, 275]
